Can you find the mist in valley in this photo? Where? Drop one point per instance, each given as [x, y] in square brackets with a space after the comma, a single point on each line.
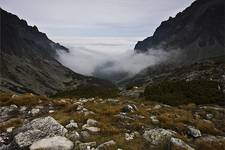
[107, 57]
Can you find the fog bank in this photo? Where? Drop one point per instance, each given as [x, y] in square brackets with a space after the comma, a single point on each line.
[108, 56]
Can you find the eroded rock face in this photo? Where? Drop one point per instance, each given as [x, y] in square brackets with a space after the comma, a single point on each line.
[158, 136]
[46, 124]
[53, 143]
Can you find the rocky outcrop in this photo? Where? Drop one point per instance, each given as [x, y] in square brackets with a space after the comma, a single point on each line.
[198, 32]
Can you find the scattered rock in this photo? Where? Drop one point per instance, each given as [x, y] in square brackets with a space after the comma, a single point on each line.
[129, 137]
[35, 111]
[154, 120]
[129, 108]
[92, 122]
[10, 129]
[87, 146]
[72, 125]
[157, 107]
[106, 145]
[178, 144]
[158, 136]
[51, 111]
[84, 135]
[74, 136]
[209, 116]
[194, 132]
[91, 129]
[53, 143]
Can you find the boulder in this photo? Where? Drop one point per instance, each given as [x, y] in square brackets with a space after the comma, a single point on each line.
[192, 131]
[25, 139]
[158, 136]
[53, 143]
[178, 144]
[46, 124]
[8, 112]
[106, 145]
[72, 125]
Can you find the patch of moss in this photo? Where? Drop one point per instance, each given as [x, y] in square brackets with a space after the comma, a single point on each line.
[182, 92]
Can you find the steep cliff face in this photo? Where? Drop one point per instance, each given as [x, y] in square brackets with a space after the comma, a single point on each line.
[29, 61]
[198, 31]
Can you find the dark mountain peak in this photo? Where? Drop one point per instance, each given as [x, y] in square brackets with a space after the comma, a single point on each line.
[199, 30]
[20, 39]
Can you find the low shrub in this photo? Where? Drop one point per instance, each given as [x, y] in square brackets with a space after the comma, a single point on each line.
[182, 92]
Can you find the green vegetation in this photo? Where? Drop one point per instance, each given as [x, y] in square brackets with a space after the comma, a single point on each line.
[88, 91]
[182, 92]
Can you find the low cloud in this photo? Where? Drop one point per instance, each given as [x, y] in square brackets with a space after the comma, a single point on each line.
[110, 56]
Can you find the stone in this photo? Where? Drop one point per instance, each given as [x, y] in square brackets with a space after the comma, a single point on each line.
[51, 111]
[53, 143]
[25, 139]
[106, 145]
[87, 146]
[84, 135]
[154, 120]
[93, 129]
[74, 136]
[10, 129]
[46, 124]
[157, 107]
[129, 108]
[209, 116]
[178, 144]
[35, 111]
[192, 131]
[92, 122]
[158, 136]
[72, 125]
[129, 137]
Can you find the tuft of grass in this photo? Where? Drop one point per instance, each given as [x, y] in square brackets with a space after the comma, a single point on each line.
[13, 122]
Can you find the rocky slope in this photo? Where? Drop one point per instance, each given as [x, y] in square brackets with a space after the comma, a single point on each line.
[29, 61]
[35, 122]
[198, 32]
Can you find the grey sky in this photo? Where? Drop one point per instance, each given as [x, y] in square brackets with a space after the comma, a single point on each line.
[63, 18]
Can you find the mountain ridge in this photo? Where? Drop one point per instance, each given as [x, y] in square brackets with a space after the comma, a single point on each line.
[29, 61]
[198, 32]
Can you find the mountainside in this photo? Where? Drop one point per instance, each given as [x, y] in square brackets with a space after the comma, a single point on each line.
[198, 31]
[29, 61]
